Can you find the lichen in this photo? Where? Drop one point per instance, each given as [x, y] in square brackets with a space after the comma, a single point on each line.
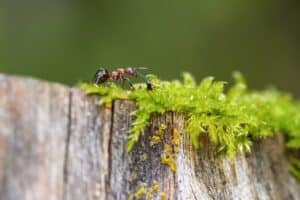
[170, 152]
[133, 176]
[158, 135]
[155, 187]
[141, 191]
[144, 157]
[233, 118]
[163, 196]
[176, 140]
[169, 158]
[144, 192]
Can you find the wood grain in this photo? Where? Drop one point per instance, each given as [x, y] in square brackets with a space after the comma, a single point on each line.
[57, 143]
[33, 132]
[86, 167]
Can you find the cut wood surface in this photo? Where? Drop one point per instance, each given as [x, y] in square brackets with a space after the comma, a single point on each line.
[58, 143]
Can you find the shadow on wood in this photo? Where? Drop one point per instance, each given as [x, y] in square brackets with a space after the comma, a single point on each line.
[57, 143]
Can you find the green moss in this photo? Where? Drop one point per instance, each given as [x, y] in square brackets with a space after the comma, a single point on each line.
[234, 118]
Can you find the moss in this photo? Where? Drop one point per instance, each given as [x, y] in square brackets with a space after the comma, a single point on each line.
[233, 118]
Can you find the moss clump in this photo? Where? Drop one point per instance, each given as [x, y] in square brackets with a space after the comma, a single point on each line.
[232, 119]
[108, 92]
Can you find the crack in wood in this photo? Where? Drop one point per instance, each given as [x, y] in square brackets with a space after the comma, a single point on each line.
[107, 181]
[65, 174]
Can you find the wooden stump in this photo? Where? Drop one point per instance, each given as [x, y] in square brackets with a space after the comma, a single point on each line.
[57, 143]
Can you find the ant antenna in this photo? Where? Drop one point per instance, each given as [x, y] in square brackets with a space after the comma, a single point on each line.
[142, 75]
[141, 68]
[129, 82]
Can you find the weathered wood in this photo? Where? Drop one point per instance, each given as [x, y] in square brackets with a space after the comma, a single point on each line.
[57, 143]
[33, 132]
[87, 158]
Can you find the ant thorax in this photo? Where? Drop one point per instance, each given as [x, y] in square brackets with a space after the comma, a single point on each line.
[121, 70]
[115, 75]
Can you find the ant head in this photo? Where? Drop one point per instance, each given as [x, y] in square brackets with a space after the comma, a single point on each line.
[131, 71]
[101, 76]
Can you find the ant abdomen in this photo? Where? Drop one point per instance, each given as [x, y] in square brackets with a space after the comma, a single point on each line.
[101, 76]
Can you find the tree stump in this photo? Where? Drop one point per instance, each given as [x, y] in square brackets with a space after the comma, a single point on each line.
[58, 143]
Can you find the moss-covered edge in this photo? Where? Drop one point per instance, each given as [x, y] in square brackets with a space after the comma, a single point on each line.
[234, 118]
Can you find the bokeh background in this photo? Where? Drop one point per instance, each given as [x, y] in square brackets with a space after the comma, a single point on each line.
[66, 41]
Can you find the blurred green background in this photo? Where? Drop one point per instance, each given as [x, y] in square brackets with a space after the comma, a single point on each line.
[66, 41]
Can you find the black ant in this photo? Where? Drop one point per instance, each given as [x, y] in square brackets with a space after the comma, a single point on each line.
[102, 75]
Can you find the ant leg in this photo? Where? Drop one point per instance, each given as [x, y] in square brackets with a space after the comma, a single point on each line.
[142, 76]
[149, 84]
[129, 82]
[107, 84]
[121, 82]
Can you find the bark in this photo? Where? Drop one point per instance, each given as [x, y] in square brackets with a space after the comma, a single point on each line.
[57, 143]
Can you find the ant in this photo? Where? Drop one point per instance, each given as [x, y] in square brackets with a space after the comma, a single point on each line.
[102, 75]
